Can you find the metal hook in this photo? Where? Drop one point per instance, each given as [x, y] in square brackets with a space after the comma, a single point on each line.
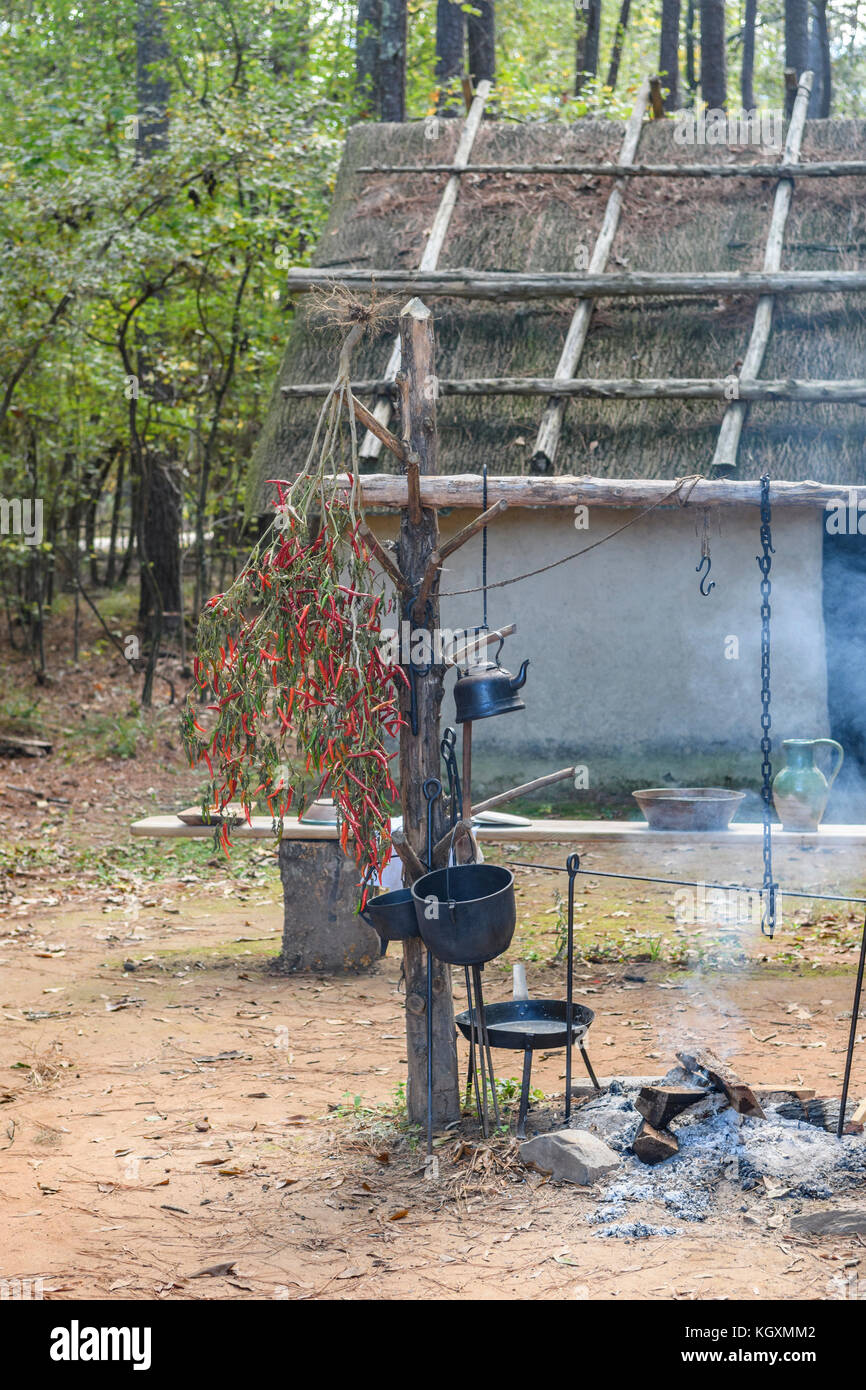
[705, 560]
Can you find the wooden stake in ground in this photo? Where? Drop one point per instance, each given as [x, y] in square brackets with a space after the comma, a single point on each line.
[419, 754]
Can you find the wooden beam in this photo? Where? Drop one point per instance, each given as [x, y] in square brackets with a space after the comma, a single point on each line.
[370, 445]
[846, 391]
[547, 438]
[419, 753]
[504, 286]
[447, 548]
[382, 433]
[481, 639]
[656, 99]
[388, 564]
[465, 490]
[415, 869]
[824, 169]
[728, 442]
[502, 797]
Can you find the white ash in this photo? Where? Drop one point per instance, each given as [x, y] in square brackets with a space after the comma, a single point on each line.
[717, 1146]
[637, 1230]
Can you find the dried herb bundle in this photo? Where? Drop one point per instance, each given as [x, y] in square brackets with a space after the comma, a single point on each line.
[304, 703]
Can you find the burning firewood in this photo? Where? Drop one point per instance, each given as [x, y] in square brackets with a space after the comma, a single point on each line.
[654, 1146]
[723, 1078]
[659, 1104]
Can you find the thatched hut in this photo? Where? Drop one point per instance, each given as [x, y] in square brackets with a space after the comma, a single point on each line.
[634, 673]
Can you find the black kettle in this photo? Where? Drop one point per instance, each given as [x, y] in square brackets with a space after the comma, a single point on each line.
[488, 689]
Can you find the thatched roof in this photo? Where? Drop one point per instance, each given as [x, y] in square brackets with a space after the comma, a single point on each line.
[533, 222]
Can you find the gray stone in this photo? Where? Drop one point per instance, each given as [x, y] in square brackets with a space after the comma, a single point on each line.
[844, 1222]
[570, 1155]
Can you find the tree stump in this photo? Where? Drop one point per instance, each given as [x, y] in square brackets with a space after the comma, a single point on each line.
[321, 927]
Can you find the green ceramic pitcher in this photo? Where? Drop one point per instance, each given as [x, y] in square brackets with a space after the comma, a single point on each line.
[800, 790]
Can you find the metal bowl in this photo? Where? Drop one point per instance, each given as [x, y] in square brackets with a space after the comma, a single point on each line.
[688, 808]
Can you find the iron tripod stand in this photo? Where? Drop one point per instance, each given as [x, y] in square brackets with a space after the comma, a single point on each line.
[527, 1025]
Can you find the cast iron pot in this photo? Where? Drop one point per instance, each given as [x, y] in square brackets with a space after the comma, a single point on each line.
[392, 915]
[466, 913]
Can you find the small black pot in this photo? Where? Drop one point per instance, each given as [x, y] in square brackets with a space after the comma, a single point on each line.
[392, 915]
[475, 912]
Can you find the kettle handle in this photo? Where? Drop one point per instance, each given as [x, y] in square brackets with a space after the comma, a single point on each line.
[831, 743]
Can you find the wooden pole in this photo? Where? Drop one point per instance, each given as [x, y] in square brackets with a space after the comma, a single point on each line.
[734, 418]
[466, 784]
[384, 490]
[824, 169]
[689, 388]
[371, 444]
[419, 755]
[501, 286]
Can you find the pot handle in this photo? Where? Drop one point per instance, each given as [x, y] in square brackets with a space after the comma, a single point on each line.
[468, 833]
[362, 911]
[831, 743]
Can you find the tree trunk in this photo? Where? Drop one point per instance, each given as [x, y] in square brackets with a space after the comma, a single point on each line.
[819, 62]
[367, 73]
[392, 60]
[152, 57]
[481, 34]
[588, 33]
[619, 39]
[419, 755]
[796, 43]
[747, 76]
[450, 44]
[691, 73]
[159, 533]
[669, 53]
[714, 76]
[111, 564]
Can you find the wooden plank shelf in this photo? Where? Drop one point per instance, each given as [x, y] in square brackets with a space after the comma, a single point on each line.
[546, 831]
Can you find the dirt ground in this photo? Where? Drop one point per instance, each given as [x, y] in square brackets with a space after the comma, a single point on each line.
[178, 1121]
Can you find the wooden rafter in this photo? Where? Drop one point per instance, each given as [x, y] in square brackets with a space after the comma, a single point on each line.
[466, 283]
[731, 428]
[842, 392]
[371, 444]
[820, 169]
[550, 429]
[466, 490]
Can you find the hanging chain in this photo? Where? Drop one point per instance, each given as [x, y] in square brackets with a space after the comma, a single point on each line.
[768, 904]
[484, 552]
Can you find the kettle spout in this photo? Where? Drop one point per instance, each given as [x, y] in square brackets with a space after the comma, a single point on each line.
[520, 679]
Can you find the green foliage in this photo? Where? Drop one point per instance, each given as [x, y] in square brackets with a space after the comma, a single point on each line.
[142, 300]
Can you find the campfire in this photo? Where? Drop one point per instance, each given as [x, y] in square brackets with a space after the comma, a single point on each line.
[697, 1139]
